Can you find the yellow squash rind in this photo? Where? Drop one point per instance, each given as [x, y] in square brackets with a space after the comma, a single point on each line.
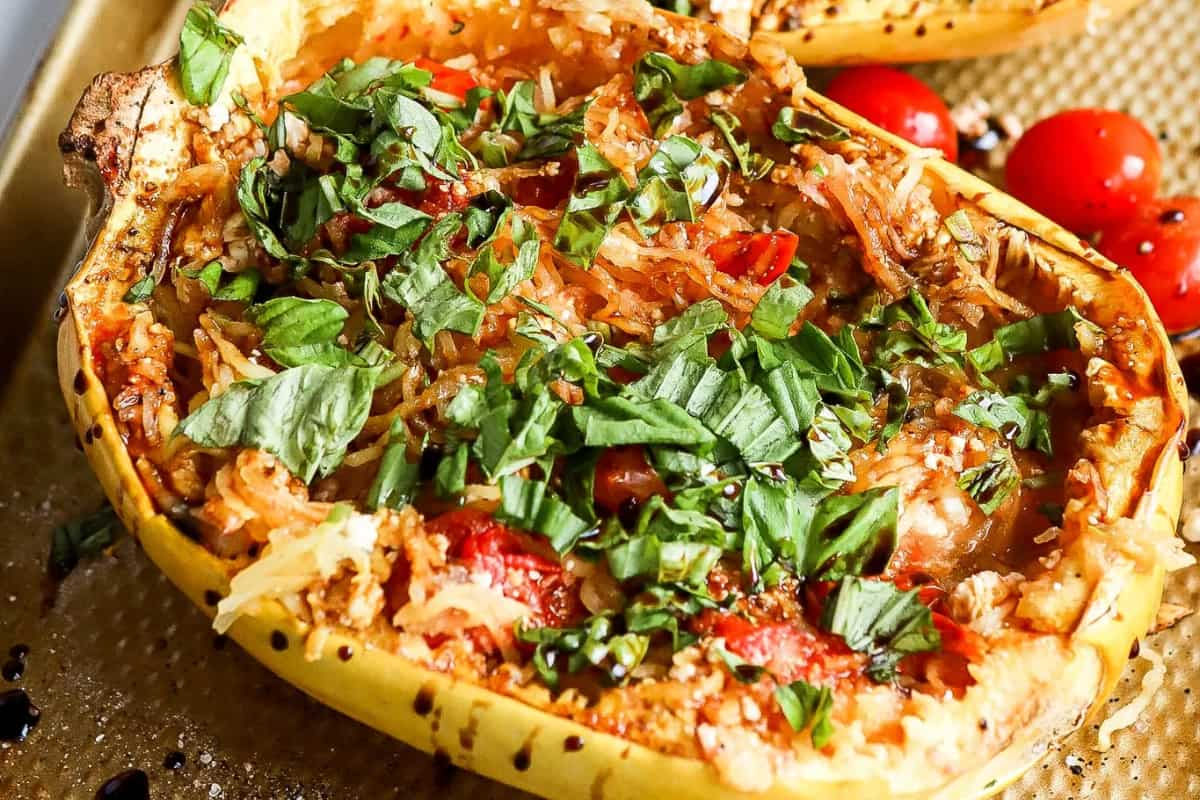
[948, 30]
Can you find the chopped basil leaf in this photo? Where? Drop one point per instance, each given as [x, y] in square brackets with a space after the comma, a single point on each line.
[596, 644]
[254, 186]
[503, 278]
[595, 203]
[421, 285]
[776, 518]
[853, 534]
[793, 126]
[876, 618]
[663, 560]
[727, 404]
[82, 538]
[681, 179]
[779, 307]
[528, 505]
[991, 482]
[205, 50]
[969, 243]
[306, 416]
[912, 333]
[450, 479]
[485, 217]
[683, 7]
[288, 321]
[209, 275]
[660, 84]
[614, 421]
[141, 290]
[1039, 334]
[241, 288]
[301, 331]
[545, 135]
[689, 332]
[803, 704]
[753, 165]
[1020, 417]
[397, 478]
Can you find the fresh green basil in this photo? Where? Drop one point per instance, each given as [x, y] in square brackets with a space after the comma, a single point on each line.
[876, 618]
[306, 416]
[803, 705]
[793, 126]
[205, 51]
[682, 179]
[990, 483]
[661, 84]
[596, 201]
[753, 165]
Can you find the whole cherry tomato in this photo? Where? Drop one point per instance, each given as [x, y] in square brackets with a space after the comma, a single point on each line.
[763, 256]
[897, 102]
[1085, 169]
[1160, 244]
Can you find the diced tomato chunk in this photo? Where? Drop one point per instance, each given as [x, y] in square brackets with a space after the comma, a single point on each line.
[789, 650]
[761, 256]
[622, 473]
[957, 639]
[547, 191]
[447, 79]
[486, 546]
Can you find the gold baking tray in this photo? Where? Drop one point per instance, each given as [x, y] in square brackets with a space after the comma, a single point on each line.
[126, 671]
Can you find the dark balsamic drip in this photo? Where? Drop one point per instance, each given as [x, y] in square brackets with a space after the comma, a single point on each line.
[1135, 649]
[443, 768]
[345, 652]
[572, 744]
[211, 597]
[80, 382]
[13, 669]
[19, 651]
[523, 760]
[1190, 446]
[431, 456]
[174, 760]
[423, 703]
[18, 715]
[1190, 367]
[629, 511]
[279, 641]
[132, 784]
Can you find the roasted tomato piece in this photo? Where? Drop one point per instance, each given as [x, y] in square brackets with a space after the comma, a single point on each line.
[761, 256]
[789, 650]
[623, 474]
[486, 546]
[447, 79]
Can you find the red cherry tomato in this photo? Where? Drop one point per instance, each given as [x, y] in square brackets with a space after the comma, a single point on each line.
[897, 102]
[1086, 169]
[762, 256]
[1161, 246]
[447, 79]
[623, 473]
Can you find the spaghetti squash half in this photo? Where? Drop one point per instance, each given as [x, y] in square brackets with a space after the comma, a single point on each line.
[562, 387]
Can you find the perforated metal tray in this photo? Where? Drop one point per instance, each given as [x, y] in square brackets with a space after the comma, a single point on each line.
[126, 671]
